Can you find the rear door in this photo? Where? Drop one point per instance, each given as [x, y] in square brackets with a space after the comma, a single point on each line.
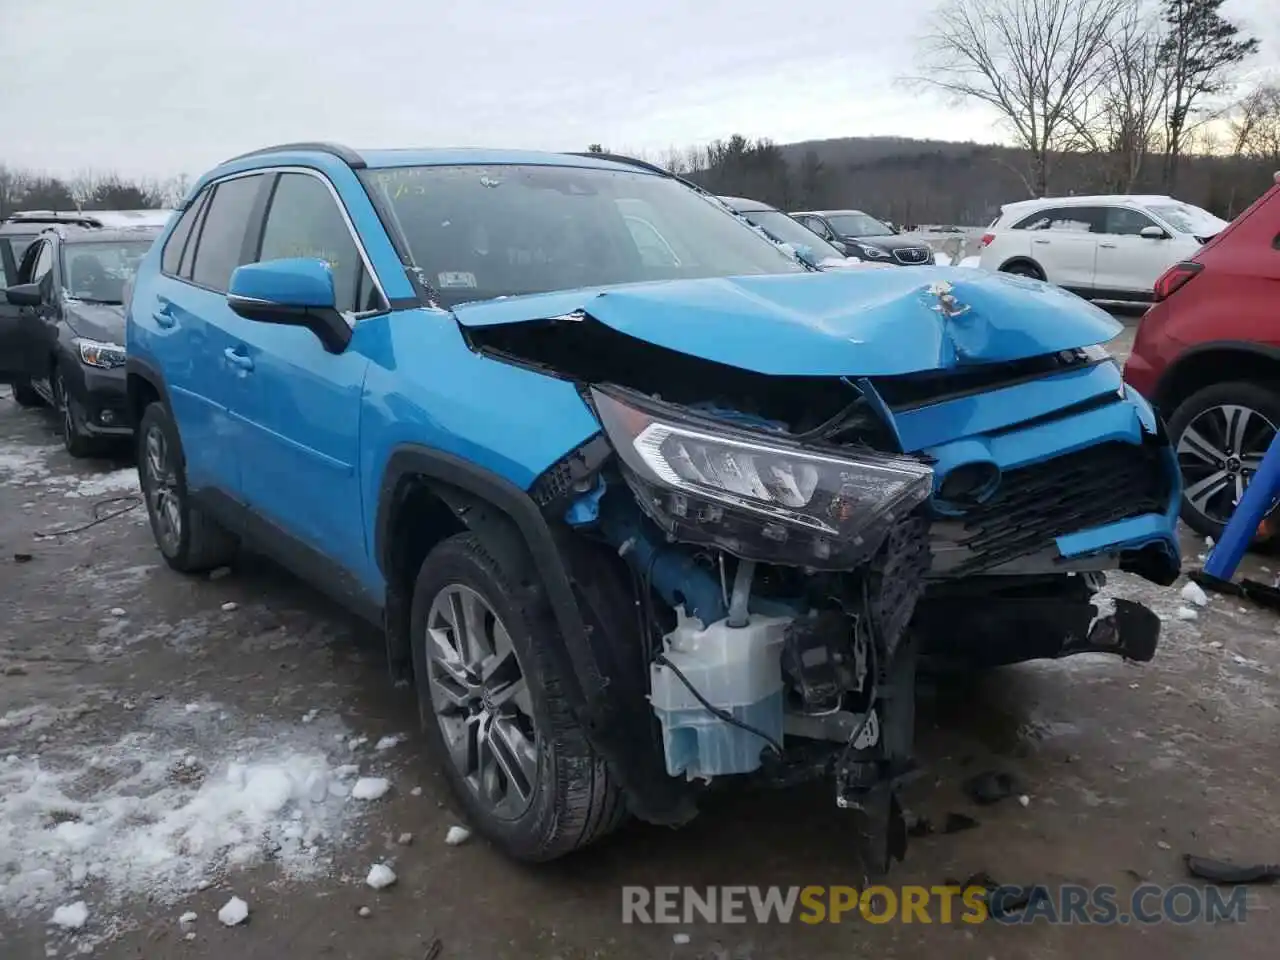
[1064, 241]
[191, 330]
[1128, 263]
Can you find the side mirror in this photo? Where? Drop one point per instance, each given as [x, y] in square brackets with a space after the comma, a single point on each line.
[841, 246]
[296, 292]
[1153, 233]
[24, 295]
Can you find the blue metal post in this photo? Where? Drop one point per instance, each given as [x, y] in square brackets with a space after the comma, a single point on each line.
[1243, 525]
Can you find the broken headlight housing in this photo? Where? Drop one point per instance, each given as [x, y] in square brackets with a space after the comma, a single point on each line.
[758, 495]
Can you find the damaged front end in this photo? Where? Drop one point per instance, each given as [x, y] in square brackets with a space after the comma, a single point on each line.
[790, 545]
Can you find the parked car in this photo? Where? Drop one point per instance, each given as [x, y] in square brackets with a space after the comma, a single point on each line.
[1102, 248]
[867, 238]
[781, 228]
[631, 523]
[62, 327]
[1207, 354]
[20, 229]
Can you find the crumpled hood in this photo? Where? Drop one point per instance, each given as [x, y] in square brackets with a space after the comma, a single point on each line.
[839, 323]
[103, 322]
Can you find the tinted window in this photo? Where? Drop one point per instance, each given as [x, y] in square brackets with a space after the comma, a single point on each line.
[18, 247]
[1126, 222]
[219, 250]
[177, 241]
[1069, 219]
[304, 221]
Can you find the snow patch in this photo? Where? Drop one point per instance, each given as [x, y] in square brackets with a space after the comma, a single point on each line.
[370, 788]
[233, 912]
[1187, 613]
[71, 916]
[167, 809]
[380, 876]
[457, 836]
[1192, 593]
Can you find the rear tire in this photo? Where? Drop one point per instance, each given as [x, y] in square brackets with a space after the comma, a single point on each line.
[24, 395]
[1221, 434]
[1024, 270]
[505, 706]
[189, 540]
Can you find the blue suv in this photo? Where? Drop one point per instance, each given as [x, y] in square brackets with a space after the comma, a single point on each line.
[642, 503]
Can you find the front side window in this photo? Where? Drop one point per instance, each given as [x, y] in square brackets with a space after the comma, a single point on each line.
[1065, 220]
[17, 247]
[99, 271]
[1125, 222]
[220, 247]
[480, 232]
[304, 221]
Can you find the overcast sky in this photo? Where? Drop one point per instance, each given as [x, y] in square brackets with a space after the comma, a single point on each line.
[158, 87]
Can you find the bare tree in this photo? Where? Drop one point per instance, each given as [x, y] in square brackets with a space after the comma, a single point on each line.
[1255, 125]
[1037, 62]
[1199, 52]
[1119, 123]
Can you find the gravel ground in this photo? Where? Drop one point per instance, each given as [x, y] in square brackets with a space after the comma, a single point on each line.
[152, 727]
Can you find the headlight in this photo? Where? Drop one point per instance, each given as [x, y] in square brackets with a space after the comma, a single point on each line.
[873, 253]
[754, 494]
[97, 354]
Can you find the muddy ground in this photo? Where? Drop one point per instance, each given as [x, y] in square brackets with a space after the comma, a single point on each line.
[111, 666]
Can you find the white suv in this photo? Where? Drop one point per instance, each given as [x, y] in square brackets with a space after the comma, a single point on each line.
[1102, 248]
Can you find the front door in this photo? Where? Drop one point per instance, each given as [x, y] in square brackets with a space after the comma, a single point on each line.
[17, 323]
[300, 410]
[1128, 263]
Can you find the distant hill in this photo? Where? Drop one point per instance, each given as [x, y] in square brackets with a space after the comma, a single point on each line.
[938, 181]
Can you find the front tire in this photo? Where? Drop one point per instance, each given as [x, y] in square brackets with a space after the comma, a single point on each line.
[189, 540]
[1024, 270]
[77, 442]
[1221, 434]
[493, 709]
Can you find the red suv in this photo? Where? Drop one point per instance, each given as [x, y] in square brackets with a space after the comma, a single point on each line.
[1207, 355]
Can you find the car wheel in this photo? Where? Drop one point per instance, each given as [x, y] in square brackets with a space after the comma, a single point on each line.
[1024, 270]
[189, 540]
[77, 441]
[1221, 434]
[25, 395]
[493, 708]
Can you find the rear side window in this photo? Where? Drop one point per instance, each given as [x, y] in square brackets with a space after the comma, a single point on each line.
[220, 247]
[171, 260]
[304, 221]
[1067, 219]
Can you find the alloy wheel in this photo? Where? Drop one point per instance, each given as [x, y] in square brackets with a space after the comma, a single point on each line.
[481, 701]
[1219, 452]
[164, 502]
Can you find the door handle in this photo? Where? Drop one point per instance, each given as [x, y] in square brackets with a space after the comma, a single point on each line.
[1109, 246]
[238, 359]
[1039, 241]
[163, 318]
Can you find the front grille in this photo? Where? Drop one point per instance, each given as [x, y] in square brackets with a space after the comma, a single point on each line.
[912, 255]
[1035, 505]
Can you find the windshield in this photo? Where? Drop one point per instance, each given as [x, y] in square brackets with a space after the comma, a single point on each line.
[779, 225]
[98, 271]
[1188, 219]
[480, 232]
[858, 225]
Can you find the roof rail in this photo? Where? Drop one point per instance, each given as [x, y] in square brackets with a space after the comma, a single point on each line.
[345, 154]
[52, 216]
[629, 161]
